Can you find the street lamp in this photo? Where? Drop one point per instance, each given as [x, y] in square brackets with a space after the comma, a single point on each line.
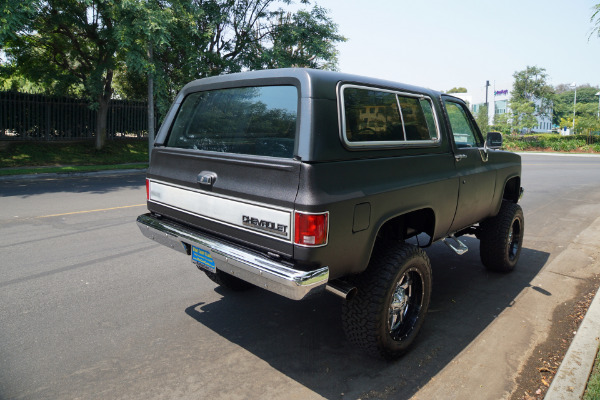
[573, 85]
[598, 94]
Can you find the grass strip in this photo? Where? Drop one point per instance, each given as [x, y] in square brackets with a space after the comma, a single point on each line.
[83, 153]
[592, 391]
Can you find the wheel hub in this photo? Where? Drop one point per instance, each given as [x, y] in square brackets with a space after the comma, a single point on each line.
[399, 304]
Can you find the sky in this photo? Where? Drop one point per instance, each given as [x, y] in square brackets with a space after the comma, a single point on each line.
[441, 44]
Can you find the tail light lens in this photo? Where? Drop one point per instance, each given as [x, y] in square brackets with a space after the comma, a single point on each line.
[147, 189]
[311, 229]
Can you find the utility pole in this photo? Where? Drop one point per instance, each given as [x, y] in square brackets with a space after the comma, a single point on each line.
[487, 85]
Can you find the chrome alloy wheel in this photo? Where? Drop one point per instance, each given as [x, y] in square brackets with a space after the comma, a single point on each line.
[514, 239]
[406, 302]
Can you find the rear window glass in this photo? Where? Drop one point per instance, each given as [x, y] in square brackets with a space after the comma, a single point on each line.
[251, 120]
[373, 116]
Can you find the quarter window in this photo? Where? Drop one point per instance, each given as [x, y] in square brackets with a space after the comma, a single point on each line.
[393, 118]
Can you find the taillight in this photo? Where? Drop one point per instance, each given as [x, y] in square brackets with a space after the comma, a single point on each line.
[147, 189]
[311, 229]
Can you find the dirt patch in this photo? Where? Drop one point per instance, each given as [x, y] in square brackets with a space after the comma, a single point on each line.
[538, 372]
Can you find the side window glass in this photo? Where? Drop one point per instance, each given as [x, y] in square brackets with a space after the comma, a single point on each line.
[415, 122]
[371, 116]
[462, 130]
[378, 117]
[429, 117]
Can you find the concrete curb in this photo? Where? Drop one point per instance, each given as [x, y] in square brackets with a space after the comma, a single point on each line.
[51, 175]
[572, 376]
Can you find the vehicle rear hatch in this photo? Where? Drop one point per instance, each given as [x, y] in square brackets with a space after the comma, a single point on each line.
[224, 164]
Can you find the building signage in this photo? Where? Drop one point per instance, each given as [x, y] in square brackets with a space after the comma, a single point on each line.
[500, 92]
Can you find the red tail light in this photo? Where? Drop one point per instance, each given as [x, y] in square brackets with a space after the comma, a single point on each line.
[311, 229]
[147, 189]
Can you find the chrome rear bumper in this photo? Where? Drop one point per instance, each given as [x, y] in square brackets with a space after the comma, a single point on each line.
[244, 264]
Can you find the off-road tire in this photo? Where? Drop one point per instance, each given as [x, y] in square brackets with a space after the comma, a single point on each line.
[501, 238]
[367, 317]
[228, 281]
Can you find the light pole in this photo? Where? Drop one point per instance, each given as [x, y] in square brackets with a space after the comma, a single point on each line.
[573, 85]
[598, 94]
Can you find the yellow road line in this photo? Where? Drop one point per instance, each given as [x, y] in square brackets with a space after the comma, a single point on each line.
[90, 211]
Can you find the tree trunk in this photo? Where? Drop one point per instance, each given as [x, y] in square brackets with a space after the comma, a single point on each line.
[102, 115]
[150, 104]
[101, 122]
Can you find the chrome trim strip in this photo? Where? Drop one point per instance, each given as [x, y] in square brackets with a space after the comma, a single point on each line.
[244, 264]
[294, 228]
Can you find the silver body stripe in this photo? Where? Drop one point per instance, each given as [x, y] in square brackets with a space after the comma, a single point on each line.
[265, 220]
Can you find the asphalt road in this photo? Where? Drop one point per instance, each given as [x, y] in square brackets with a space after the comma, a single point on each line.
[91, 309]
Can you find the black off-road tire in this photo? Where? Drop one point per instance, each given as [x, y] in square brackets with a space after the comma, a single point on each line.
[368, 316]
[501, 238]
[228, 281]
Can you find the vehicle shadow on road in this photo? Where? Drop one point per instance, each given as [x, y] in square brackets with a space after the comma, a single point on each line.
[75, 184]
[305, 340]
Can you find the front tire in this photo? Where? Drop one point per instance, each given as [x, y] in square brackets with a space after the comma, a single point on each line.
[501, 238]
[393, 296]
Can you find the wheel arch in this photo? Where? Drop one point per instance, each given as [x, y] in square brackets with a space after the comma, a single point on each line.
[406, 225]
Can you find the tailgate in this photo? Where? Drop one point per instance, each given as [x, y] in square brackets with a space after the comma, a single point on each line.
[245, 199]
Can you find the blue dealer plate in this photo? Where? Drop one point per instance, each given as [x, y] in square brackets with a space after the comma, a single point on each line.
[203, 259]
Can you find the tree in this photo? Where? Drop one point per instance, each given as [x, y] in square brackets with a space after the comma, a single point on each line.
[502, 123]
[215, 37]
[457, 90]
[595, 20]
[87, 45]
[482, 119]
[68, 45]
[586, 107]
[523, 115]
[531, 97]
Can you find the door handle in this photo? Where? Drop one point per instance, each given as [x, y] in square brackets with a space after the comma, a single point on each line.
[459, 156]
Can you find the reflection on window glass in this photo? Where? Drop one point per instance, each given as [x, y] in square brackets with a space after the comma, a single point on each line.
[373, 116]
[415, 123]
[381, 123]
[428, 112]
[251, 120]
[464, 135]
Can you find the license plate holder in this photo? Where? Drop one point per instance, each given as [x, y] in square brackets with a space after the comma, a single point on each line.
[203, 259]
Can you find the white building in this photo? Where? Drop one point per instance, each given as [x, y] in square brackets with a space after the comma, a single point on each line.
[498, 104]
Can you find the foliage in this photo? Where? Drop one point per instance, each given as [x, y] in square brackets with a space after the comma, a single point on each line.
[194, 40]
[457, 90]
[553, 142]
[595, 20]
[531, 97]
[586, 118]
[79, 46]
[502, 123]
[523, 114]
[66, 46]
[482, 119]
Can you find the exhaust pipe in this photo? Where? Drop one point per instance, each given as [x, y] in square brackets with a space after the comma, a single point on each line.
[341, 289]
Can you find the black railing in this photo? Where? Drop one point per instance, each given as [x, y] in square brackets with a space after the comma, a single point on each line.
[25, 116]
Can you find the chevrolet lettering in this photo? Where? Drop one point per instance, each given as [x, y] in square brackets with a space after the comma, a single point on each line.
[331, 182]
[265, 225]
